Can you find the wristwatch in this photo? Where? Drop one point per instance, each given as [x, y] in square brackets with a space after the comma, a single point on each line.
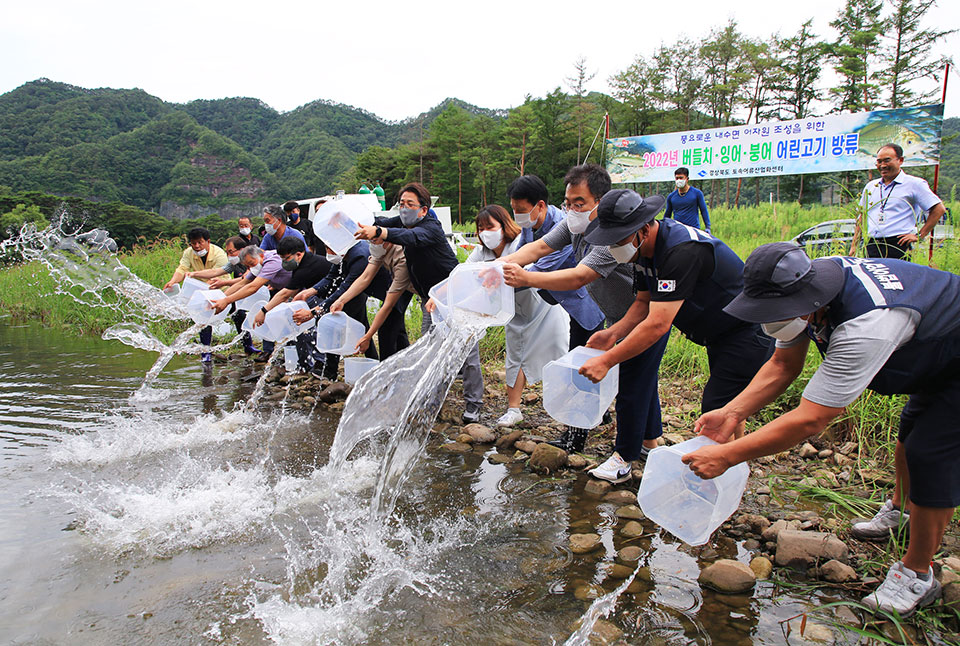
[379, 232]
[263, 309]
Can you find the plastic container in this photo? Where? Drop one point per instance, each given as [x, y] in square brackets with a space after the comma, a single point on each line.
[685, 505]
[356, 367]
[200, 307]
[291, 360]
[337, 333]
[280, 320]
[260, 296]
[571, 398]
[477, 288]
[173, 291]
[262, 332]
[191, 285]
[336, 221]
[439, 295]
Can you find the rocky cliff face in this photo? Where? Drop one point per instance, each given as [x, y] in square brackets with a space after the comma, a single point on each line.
[173, 211]
[218, 177]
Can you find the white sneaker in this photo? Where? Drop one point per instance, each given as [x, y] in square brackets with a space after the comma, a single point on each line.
[887, 520]
[512, 417]
[615, 469]
[903, 591]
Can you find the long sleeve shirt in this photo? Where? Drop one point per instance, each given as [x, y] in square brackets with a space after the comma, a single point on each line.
[687, 208]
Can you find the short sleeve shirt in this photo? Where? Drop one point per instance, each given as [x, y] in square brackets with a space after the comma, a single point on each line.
[273, 272]
[190, 261]
[396, 263]
[682, 267]
[892, 209]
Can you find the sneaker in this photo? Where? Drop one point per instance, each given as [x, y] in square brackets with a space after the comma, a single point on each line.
[644, 452]
[206, 357]
[471, 414]
[904, 591]
[512, 417]
[572, 440]
[614, 470]
[888, 519]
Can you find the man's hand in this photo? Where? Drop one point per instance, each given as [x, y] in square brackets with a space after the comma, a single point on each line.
[708, 461]
[491, 277]
[259, 319]
[337, 306]
[363, 343]
[907, 238]
[595, 369]
[430, 305]
[515, 275]
[602, 340]
[717, 424]
[302, 316]
[365, 232]
[303, 295]
[219, 306]
[217, 282]
[169, 284]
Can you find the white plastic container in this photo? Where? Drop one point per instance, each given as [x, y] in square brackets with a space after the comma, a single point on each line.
[439, 295]
[571, 398]
[356, 367]
[247, 304]
[478, 288]
[262, 332]
[191, 285]
[173, 291]
[337, 333]
[280, 320]
[200, 307]
[291, 359]
[336, 221]
[685, 505]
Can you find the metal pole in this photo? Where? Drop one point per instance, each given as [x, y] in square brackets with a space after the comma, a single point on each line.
[936, 169]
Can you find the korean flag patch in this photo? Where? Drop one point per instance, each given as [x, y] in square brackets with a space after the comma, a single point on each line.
[666, 285]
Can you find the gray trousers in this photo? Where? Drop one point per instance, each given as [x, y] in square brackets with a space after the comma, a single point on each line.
[470, 372]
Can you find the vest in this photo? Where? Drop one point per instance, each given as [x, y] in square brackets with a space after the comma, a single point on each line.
[877, 283]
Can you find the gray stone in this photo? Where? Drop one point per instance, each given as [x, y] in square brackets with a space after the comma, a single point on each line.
[621, 497]
[629, 555]
[803, 549]
[480, 433]
[632, 529]
[507, 441]
[728, 576]
[334, 392]
[584, 543]
[762, 567]
[597, 487]
[548, 458]
[824, 454]
[630, 512]
[847, 448]
[837, 572]
[756, 522]
[771, 532]
[808, 451]
[576, 461]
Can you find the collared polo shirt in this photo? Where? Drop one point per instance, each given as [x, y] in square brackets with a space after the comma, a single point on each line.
[892, 209]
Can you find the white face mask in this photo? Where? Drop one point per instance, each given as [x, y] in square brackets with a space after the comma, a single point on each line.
[245, 231]
[525, 220]
[377, 251]
[334, 258]
[623, 253]
[491, 239]
[681, 183]
[785, 330]
[255, 270]
[577, 221]
[270, 229]
[201, 253]
[234, 260]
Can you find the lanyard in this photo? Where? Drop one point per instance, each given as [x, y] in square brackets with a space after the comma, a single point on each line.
[883, 202]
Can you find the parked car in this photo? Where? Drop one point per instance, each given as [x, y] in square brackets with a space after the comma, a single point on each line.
[836, 236]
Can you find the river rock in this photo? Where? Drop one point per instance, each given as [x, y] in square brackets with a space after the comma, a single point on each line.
[951, 595]
[632, 529]
[520, 456]
[530, 398]
[808, 451]
[762, 567]
[837, 572]
[620, 497]
[630, 512]
[334, 392]
[802, 549]
[728, 576]
[548, 458]
[457, 447]
[584, 543]
[825, 454]
[498, 375]
[771, 532]
[672, 438]
[576, 461]
[596, 487]
[629, 555]
[480, 433]
[588, 592]
[500, 458]
[637, 474]
[465, 439]
[525, 445]
[755, 522]
[847, 448]
[605, 634]
[507, 441]
[620, 571]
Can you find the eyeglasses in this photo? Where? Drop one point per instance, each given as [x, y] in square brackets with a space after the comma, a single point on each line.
[410, 205]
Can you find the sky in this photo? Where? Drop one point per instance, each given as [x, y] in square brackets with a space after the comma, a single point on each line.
[394, 59]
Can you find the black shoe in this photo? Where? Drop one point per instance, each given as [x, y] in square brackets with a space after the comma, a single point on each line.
[607, 418]
[471, 414]
[572, 440]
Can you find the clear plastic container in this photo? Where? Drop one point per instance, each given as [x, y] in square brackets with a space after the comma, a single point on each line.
[336, 221]
[191, 285]
[173, 291]
[280, 320]
[200, 307]
[571, 398]
[685, 505]
[439, 295]
[261, 332]
[356, 367]
[477, 289]
[337, 333]
[291, 360]
[247, 304]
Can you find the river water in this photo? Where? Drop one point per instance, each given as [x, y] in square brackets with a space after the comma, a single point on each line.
[178, 520]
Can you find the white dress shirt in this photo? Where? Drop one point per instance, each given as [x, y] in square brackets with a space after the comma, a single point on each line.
[892, 209]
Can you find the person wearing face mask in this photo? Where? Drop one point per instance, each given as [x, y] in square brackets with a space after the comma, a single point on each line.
[686, 204]
[684, 278]
[347, 268]
[537, 334]
[199, 255]
[276, 229]
[299, 222]
[610, 284]
[884, 324]
[429, 261]
[388, 324]
[245, 227]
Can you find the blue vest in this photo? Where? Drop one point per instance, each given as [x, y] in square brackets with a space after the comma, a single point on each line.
[876, 283]
[701, 317]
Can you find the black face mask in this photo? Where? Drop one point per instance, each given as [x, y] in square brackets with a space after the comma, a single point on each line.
[290, 265]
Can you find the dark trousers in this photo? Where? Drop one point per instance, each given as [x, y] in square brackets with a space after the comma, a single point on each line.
[392, 335]
[887, 248]
[578, 335]
[239, 316]
[638, 401]
[734, 361]
[206, 335]
[357, 310]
